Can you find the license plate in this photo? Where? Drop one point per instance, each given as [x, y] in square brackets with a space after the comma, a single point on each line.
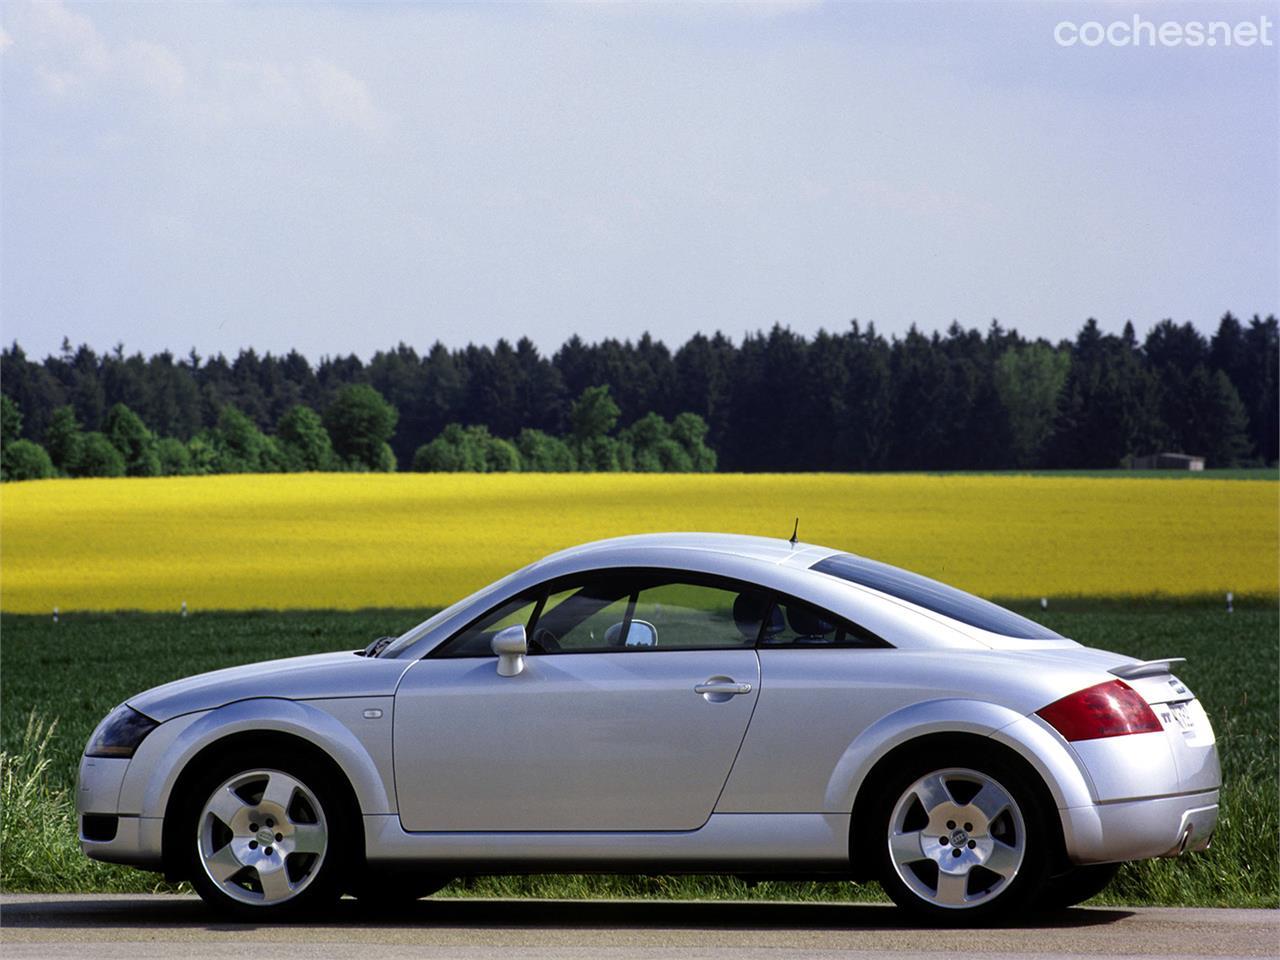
[1181, 714]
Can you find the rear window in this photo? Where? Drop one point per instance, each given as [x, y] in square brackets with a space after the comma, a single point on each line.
[934, 596]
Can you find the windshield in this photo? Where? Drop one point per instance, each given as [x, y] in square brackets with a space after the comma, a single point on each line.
[934, 596]
[426, 626]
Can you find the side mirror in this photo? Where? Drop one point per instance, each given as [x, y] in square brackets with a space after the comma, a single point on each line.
[510, 645]
[642, 634]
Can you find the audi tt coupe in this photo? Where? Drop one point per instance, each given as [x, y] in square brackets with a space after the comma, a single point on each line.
[660, 704]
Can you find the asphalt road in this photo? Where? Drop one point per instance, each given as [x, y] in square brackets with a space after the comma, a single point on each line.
[129, 927]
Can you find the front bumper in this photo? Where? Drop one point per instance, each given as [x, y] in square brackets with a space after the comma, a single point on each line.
[1140, 829]
[135, 840]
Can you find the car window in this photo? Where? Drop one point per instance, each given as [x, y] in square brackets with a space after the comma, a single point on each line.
[933, 595]
[793, 623]
[475, 640]
[647, 610]
[588, 617]
[690, 615]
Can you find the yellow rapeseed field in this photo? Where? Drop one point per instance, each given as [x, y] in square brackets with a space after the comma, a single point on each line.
[413, 540]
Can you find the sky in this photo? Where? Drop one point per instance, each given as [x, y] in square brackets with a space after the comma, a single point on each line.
[338, 178]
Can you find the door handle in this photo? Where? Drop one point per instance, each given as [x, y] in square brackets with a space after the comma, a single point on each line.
[728, 688]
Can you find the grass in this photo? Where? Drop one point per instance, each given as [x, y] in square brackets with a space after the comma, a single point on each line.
[350, 541]
[74, 671]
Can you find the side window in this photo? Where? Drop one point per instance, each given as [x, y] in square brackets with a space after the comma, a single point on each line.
[675, 615]
[792, 623]
[588, 617]
[635, 612]
[475, 640]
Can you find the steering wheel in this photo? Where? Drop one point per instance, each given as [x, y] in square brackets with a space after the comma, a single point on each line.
[544, 641]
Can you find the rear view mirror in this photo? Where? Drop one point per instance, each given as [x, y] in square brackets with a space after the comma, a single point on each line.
[510, 645]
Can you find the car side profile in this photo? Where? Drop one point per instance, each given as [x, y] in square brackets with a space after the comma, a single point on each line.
[667, 703]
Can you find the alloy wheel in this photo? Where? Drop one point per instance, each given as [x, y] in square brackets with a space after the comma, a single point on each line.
[262, 837]
[956, 838]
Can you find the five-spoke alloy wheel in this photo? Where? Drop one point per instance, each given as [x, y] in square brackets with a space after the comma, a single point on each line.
[264, 840]
[960, 841]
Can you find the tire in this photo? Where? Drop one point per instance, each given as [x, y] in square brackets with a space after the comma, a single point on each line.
[267, 842]
[381, 890]
[1076, 885]
[960, 838]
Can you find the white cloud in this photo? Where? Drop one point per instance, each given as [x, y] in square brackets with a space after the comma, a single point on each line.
[67, 48]
[152, 65]
[6, 41]
[276, 93]
[342, 96]
[683, 9]
[69, 56]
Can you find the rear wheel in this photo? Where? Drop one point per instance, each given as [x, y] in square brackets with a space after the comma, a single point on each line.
[1077, 884]
[267, 842]
[960, 844]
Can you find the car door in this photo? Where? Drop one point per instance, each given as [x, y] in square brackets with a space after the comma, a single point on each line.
[630, 709]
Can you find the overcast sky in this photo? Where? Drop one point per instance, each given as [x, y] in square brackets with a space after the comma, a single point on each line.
[337, 178]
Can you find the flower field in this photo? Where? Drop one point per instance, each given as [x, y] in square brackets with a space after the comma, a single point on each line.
[346, 541]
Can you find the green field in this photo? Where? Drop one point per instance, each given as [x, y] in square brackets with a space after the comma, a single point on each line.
[74, 671]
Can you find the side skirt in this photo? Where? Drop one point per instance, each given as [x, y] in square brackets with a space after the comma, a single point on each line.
[759, 843]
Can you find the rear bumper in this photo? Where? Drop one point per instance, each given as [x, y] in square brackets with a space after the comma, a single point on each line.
[1140, 829]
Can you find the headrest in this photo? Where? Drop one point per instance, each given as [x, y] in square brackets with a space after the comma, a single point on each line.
[806, 623]
[748, 611]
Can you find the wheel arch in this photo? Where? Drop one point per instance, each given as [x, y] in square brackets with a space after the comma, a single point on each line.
[957, 724]
[236, 744]
[863, 831]
[282, 728]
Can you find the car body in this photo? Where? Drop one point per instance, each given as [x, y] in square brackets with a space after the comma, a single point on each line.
[667, 703]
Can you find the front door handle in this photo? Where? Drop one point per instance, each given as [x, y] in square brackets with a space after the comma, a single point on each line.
[720, 689]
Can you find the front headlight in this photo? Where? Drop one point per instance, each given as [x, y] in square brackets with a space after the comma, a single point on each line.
[120, 733]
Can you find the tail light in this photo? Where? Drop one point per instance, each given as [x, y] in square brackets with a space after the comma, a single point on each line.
[1111, 709]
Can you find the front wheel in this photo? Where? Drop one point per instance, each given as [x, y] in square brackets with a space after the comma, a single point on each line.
[961, 844]
[383, 890]
[266, 842]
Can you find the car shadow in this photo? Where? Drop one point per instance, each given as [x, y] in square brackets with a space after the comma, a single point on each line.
[174, 911]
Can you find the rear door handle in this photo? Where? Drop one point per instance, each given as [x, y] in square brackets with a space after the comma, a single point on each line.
[727, 688]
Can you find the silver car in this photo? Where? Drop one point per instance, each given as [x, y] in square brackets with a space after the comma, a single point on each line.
[668, 703]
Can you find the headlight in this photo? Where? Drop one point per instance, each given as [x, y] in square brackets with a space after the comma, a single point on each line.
[119, 734]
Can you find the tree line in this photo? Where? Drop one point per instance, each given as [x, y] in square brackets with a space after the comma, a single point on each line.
[776, 400]
[352, 435]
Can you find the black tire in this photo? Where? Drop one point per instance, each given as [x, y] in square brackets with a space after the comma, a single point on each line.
[280, 844]
[390, 890]
[1076, 885]
[1001, 861]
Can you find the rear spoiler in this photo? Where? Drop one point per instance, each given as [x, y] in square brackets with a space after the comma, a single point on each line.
[1146, 668]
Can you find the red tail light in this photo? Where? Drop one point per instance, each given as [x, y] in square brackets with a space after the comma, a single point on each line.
[1111, 709]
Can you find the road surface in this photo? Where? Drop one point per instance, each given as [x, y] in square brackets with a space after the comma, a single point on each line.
[134, 927]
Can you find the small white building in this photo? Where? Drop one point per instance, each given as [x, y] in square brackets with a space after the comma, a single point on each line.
[1167, 461]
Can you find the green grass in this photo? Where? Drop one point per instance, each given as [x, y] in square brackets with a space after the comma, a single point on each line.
[74, 671]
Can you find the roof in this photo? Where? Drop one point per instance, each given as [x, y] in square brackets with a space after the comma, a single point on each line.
[632, 549]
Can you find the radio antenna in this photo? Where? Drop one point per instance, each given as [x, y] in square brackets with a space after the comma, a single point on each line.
[795, 532]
